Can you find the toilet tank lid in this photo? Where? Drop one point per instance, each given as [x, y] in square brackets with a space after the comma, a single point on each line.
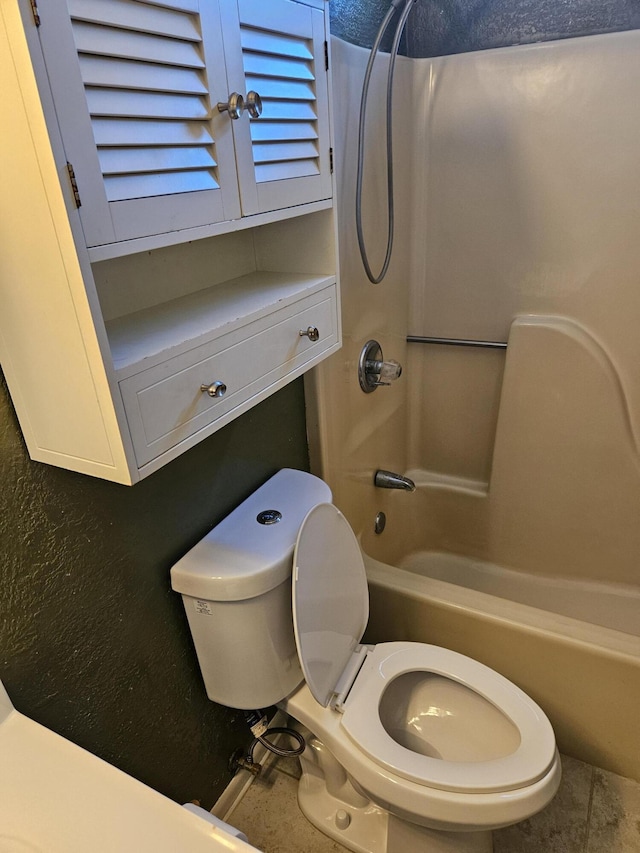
[241, 557]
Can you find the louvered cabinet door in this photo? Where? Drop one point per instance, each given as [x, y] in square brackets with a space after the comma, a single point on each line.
[277, 49]
[136, 87]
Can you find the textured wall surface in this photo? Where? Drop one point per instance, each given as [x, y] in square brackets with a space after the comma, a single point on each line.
[93, 642]
[357, 21]
[441, 27]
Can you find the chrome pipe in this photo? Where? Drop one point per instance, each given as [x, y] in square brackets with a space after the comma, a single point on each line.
[456, 342]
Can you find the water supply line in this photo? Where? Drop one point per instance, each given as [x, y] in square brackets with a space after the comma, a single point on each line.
[257, 722]
[405, 5]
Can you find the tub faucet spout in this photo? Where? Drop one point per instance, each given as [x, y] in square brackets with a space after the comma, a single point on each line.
[389, 480]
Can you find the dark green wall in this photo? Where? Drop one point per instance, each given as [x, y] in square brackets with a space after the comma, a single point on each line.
[93, 642]
[441, 27]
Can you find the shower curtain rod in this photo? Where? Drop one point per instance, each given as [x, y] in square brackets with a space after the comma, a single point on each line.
[456, 342]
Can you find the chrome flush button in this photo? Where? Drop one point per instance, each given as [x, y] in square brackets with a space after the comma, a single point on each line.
[269, 516]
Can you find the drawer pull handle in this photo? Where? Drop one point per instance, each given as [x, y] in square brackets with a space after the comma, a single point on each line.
[216, 389]
[312, 333]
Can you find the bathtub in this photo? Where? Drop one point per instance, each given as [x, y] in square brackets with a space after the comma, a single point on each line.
[564, 651]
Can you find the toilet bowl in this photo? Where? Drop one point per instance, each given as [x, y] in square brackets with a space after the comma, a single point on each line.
[485, 787]
[412, 747]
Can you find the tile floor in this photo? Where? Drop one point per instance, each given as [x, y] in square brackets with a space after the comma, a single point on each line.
[594, 812]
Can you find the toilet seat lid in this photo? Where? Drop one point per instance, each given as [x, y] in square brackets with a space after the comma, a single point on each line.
[330, 598]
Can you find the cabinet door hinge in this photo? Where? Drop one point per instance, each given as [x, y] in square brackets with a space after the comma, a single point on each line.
[326, 56]
[331, 160]
[36, 14]
[74, 185]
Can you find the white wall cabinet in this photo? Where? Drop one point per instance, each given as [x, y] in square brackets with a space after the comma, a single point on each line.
[136, 87]
[203, 248]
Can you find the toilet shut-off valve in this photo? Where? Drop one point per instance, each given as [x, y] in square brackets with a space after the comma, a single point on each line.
[239, 761]
[373, 370]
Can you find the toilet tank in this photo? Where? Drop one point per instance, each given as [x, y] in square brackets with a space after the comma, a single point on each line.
[236, 589]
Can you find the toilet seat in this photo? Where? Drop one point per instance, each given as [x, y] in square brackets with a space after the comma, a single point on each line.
[529, 762]
[330, 612]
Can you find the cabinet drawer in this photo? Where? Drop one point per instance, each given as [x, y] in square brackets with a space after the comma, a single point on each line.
[165, 404]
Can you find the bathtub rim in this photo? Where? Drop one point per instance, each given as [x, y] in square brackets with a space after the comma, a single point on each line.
[492, 609]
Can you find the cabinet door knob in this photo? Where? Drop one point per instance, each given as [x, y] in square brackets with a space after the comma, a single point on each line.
[216, 389]
[312, 333]
[254, 104]
[234, 106]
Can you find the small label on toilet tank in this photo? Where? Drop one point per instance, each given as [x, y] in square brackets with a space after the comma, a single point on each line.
[203, 607]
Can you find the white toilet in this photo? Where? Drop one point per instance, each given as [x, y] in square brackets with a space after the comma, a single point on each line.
[413, 747]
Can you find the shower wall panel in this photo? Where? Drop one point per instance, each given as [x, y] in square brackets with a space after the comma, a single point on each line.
[356, 433]
[454, 405]
[526, 230]
[518, 220]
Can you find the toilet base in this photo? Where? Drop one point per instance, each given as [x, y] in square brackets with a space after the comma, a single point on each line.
[330, 801]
